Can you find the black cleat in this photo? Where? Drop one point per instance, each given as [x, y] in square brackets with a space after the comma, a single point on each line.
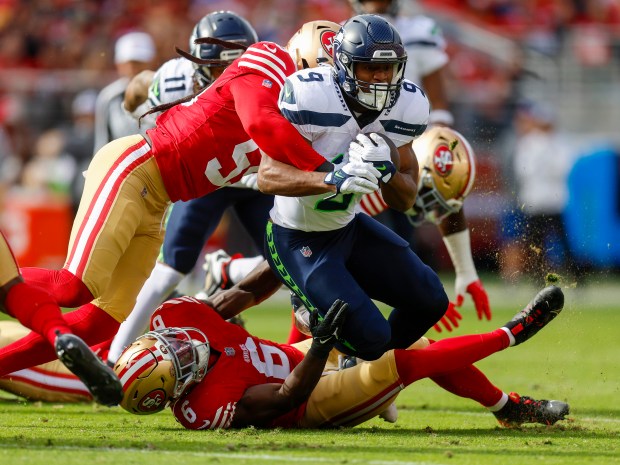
[100, 379]
[523, 409]
[543, 308]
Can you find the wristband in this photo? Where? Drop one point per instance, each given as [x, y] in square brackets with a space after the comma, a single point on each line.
[459, 248]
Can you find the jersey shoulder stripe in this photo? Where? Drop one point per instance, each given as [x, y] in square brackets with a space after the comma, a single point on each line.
[268, 59]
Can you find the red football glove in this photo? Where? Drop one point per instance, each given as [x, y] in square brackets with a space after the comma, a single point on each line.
[480, 298]
[450, 319]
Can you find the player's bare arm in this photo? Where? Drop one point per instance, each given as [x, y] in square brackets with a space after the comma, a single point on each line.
[137, 90]
[263, 403]
[279, 178]
[401, 191]
[260, 284]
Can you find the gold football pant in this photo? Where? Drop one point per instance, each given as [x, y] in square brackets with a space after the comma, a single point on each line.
[119, 228]
[8, 266]
[351, 396]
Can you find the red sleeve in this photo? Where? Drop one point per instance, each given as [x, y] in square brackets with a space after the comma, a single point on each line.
[257, 108]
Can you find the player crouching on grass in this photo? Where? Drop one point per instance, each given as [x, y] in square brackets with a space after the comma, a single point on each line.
[217, 375]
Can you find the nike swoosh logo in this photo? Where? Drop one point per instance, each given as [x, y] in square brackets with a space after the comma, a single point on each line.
[324, 341]
[271, 49]
[338, 175]
[381, 167]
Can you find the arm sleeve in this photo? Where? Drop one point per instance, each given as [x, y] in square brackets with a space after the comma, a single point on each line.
[257, 108]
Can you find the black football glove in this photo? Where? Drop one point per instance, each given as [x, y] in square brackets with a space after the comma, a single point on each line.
[325, 331]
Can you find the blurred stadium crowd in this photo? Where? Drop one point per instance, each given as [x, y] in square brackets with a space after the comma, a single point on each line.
[532, 85]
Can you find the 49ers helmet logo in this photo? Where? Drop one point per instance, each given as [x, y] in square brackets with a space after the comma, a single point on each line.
[327, 41]
[153, 401]
[443, 160]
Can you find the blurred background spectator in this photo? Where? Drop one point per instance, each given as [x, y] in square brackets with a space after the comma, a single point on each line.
[133, 52]
[534, 230]
[502, 52]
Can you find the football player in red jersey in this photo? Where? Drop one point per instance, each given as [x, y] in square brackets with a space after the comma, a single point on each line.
[36, 310]
[209, 141]
[51, 382]
[217, 375]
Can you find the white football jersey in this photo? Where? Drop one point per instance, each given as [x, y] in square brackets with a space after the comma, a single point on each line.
[172, 81]
[312, 101]
[424, 43]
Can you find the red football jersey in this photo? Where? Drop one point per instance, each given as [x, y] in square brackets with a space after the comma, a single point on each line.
[244, 361]
[214, 139]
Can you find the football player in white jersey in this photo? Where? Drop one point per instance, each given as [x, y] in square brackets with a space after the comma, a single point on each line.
[317, 244]
[426, 65]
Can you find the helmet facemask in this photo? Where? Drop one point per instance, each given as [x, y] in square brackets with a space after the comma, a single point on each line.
[189, 350]
[369, 39]
[447, 173]
[376, 96]
[160, 366]
[430, 205]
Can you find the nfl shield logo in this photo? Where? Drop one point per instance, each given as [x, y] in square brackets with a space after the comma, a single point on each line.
[305, 251]
[229, 351]
[267, 83]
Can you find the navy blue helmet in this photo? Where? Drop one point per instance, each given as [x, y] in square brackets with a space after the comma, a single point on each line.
[369, 39]
[223, 25]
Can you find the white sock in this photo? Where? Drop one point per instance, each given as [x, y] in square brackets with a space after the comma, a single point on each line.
[241, 267]
[510, 336]
[497, 407]
[161, 283]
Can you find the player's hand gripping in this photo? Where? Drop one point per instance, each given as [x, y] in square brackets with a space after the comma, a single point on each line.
[373, 149]
[325, 331]
[354, 178]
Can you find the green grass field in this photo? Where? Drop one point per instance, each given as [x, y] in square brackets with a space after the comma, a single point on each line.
[576, 359]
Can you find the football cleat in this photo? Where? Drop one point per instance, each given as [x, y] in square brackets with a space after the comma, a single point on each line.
[216, 265]
[103, 384]
[523, 409]
[543, 308]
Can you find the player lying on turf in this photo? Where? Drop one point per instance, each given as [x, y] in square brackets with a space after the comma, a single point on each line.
[445, 362]
[217, 375]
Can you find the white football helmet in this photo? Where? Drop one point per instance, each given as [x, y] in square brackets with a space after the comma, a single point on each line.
[160, 366]
[313, 44]
[447, 174]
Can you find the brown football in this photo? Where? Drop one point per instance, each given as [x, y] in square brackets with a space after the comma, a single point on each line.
[394, 155]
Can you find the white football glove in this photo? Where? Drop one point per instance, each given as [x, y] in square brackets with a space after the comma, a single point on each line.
[369, 149]
[354, 178]
[249, 181]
